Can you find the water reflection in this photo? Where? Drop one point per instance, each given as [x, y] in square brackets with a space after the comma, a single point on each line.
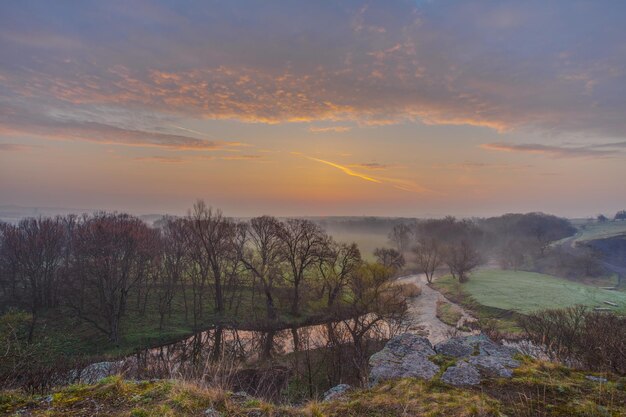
[266, 363]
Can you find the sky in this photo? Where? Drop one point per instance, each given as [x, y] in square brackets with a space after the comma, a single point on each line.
[395, 108]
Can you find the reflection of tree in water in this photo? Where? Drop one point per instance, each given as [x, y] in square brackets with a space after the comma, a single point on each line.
[304, 361]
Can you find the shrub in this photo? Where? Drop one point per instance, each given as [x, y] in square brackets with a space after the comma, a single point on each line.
[409, 290]
[594, 340]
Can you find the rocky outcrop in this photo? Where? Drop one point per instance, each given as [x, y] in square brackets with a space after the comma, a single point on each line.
[96, 371]
[404, 356]
[337, 391]
[461, 374]
[475, 357]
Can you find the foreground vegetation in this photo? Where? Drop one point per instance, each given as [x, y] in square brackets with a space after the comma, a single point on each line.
[536, 389]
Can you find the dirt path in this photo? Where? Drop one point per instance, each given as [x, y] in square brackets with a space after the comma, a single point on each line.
[422, 313]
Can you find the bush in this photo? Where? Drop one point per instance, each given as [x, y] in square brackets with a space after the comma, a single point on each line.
[594, 340]
[409, 290]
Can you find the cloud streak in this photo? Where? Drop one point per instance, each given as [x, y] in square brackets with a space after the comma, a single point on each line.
[373, 166]
[20, 121]
[346, 170]
[591, 151]
[398, 183]
[13, 147]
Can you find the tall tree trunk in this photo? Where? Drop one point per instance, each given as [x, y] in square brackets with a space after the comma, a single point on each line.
[295, 304]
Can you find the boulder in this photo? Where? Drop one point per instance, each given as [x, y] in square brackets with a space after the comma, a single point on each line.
[461, 374]
[96, 371]
[494, 366]
[409, 355]
[400, 346]
[411, 366]
[336, 392]
[456, 347]
[403, 356]
[474, 345]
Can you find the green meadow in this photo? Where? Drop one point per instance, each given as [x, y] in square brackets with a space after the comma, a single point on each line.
[524, 292]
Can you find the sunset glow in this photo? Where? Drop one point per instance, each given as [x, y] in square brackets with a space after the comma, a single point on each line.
[403, 108]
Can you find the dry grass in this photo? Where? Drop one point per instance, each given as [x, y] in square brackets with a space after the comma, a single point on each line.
[448, 313]
[537, 389]
[409, 290]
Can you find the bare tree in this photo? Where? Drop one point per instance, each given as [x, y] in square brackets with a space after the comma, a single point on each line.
[462, 258]
[390, 258]
[428, 256]
[213, 236]
[336, 266]
[303, 244]
[109, 251]
[32, 253]
[174, 264]
[374, 303]
[512, 253]
[400, 237]
[262, 256]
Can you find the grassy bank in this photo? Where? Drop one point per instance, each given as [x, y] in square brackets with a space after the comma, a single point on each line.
[448, 313]
[593, 230]
[65, 335]
[503, 295]
[536, 389]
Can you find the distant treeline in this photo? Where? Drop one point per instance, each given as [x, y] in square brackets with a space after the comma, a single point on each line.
[511, 241]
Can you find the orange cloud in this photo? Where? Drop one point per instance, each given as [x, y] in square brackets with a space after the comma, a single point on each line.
[336, 129]
[161, 159]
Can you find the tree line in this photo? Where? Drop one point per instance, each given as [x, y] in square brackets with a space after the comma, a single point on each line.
[513, 241]
[265, 270]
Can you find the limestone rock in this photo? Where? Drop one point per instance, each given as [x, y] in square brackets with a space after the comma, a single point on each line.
[461, 374]
[336, 392]
[456, 347]
[494, 365]
[96, 371]
[414, 365]
[404, 356]
[409, 355]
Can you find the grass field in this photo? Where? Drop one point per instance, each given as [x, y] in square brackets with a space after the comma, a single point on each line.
[590, 230]
[524, 292]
